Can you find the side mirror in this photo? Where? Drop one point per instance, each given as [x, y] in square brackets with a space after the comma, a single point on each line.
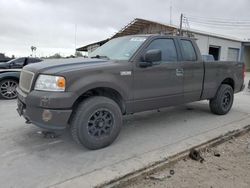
[150, 57]
[11, 65]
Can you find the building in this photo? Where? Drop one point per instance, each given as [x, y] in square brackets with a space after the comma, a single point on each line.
[221, 47]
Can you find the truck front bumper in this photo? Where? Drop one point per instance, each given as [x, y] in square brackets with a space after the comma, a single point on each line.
[46, 110]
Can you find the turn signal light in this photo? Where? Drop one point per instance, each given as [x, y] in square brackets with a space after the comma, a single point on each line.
[61, 83]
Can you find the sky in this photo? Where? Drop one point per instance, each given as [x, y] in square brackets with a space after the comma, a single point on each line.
[53, 25]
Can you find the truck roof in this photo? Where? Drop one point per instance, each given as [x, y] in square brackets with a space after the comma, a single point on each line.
[158, 35]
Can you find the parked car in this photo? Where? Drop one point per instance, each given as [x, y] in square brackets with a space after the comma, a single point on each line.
[126, 75]
[9, 76]
[18, 63]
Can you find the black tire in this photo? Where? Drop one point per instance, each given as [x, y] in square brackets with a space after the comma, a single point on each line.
[8, 89]
[222, 103]
[96, 122]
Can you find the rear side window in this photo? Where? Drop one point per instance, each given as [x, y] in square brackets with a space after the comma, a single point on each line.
[188, 51]
[19, 61]
[33, 60]
[167, 48]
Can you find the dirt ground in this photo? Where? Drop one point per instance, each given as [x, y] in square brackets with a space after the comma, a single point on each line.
[230, 168]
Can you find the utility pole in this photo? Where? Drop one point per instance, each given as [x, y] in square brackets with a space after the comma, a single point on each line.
[75, 36]
[181, 25]
[170, 17]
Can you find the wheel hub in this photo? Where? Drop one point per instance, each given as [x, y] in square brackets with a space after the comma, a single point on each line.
[226, 100]
[8, 89]
[100, 123]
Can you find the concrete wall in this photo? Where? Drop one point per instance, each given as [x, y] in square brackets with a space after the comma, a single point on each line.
[204, 41]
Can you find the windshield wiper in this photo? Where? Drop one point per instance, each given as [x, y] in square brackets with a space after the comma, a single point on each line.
[100, 57]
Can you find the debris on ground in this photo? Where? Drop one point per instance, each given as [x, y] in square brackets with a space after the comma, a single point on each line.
[196, 155]
[48, 134]
[161, 177]
[216, 153]
[158, 177]
[171, 172]
[231, 169]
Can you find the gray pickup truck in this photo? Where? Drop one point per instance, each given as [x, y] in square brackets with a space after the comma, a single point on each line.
[126, 75]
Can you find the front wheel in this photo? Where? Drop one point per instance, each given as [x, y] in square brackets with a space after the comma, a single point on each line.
[96, 122]
[223, 101]
[8, 89]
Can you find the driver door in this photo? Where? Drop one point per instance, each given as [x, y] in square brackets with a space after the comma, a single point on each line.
[161, 84]
[18, 63]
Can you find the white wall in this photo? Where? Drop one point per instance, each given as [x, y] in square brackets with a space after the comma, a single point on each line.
[204, 41]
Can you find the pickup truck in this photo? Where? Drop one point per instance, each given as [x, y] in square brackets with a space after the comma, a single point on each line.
[9, 75]
[130, 74]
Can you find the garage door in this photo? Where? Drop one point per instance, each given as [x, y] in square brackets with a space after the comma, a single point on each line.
[233, 54]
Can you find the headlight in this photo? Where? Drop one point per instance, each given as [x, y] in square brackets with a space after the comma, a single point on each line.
[50, 83]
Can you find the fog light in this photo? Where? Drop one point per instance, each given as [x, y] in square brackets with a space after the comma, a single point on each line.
[47, 115]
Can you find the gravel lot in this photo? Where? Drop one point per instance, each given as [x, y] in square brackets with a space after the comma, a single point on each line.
[229, 168]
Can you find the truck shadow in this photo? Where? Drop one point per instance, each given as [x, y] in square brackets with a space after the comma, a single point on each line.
[132, 126]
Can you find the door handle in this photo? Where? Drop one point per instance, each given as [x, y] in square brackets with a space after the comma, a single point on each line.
[179, 72]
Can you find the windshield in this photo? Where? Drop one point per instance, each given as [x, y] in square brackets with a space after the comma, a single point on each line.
[14, 60]
[119, 49]
[10, 61]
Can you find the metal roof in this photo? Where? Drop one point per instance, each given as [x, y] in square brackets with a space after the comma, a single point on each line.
[137, 25]
[85, 48]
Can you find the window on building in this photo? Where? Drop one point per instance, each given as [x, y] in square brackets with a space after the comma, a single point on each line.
[167, 48]
[188, 51]
[215, 51]
[233, 54]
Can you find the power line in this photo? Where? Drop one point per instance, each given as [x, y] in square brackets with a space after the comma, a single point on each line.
[232, 24]
[219, 25]
[216, 19]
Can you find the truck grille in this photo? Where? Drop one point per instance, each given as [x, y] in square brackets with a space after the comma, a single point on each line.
[26, 79]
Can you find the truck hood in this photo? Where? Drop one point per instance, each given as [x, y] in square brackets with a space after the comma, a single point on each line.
[55, 66]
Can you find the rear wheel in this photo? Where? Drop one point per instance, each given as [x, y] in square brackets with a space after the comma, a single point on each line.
[223, 101]
[96, 123]
[8, 89]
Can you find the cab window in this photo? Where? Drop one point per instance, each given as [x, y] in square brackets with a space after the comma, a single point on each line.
[188, 51]
[167, 48]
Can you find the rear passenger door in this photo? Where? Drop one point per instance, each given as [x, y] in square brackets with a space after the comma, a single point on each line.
[193, 70]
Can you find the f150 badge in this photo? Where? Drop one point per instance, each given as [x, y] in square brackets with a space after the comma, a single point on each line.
[126, 73]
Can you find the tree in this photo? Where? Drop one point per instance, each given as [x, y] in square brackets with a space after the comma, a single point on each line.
[55, 56]
[33, 49]
[78, 54]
